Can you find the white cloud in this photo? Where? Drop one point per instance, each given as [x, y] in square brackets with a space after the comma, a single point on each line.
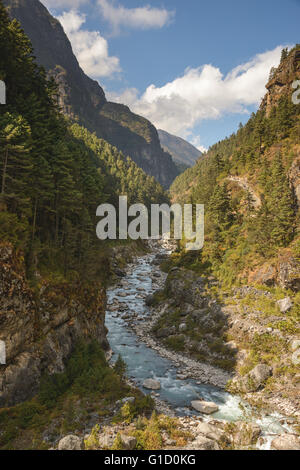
[203, 93]
[145, 17]
[64, 3]
[90, 48]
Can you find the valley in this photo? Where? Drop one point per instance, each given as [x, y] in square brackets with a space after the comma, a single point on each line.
[116, 342]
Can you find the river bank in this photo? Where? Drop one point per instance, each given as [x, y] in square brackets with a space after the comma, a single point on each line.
[182, 379]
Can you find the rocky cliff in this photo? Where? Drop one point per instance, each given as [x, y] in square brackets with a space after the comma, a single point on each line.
[281, 79]
[82, 98]
[40, 328]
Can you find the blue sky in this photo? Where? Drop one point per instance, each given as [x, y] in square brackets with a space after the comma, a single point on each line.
[194, 68]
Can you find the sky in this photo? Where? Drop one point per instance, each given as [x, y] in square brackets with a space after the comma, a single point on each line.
[194, 68]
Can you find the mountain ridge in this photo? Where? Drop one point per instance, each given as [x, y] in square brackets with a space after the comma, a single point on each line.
[83, 99]
[182, 152]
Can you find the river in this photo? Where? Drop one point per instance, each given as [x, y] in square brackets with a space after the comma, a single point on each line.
[126, 301]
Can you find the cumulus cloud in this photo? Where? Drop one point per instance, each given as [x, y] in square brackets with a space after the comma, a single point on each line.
[64, 3]
[145, 17]
[203, 93]
[90, 48]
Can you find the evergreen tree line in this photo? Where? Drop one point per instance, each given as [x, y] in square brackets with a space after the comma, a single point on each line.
[262, 152]
[54, 173]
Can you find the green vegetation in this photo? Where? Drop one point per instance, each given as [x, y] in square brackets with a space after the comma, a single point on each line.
[67, 400]
[148, 433]
[239, 234]
[54, 174]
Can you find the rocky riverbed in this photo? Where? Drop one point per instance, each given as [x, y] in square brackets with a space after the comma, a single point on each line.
[182, 380]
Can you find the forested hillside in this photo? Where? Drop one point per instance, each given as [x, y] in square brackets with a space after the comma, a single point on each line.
[249, 184]
[83, 100]
[54, 174]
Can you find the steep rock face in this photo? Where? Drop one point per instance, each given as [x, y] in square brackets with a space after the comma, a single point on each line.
[40, 331]
[281, 79]
[83, 99]
[182, 151]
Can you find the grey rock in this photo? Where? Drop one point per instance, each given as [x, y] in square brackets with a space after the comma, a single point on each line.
[205, 407]
[211, 431]
[257, 377]
[286, 442]
[285, 304]
[203, 443]
[128, 442]
[70, 442]
[152, 384]
[182, 327]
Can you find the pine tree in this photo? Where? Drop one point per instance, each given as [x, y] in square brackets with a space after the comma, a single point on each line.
[15, 164]
[281, 205]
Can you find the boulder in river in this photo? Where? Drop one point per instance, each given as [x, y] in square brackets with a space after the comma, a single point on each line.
[205, 407]
[152, 384]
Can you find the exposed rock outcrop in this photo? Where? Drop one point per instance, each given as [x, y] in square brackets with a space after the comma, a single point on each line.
[281, 79]
[41, 329]
[243, 183]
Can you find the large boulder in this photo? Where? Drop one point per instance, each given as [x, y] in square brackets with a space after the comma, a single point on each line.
[245, 434]
[257, 377]
[205, 407]
[285, 304]
[203, 443]
[151, 384]
[128, 442]
[211, 431]
[286, 442]
[70, 442]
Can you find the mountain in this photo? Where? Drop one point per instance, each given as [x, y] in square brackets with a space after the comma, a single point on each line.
[250, 185]
[82, 98]
[183, 153]
[53, 268]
